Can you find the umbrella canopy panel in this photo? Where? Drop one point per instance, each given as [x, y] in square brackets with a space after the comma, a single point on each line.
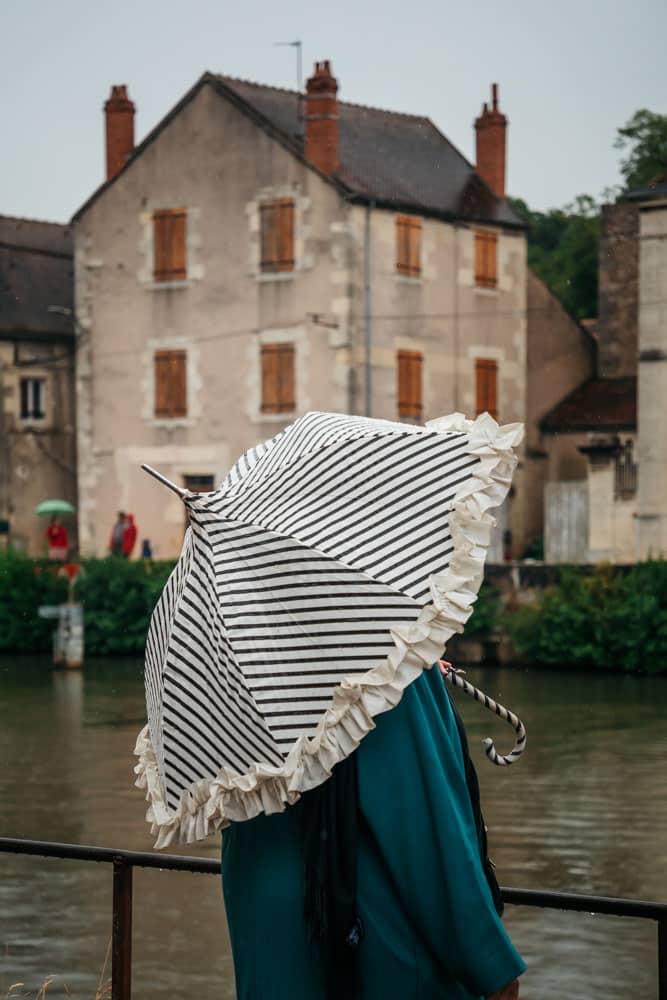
[54, 507]
[282, 630]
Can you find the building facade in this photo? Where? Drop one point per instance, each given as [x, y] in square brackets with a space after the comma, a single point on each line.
[263, 253]
[37, 350]
[616, 417]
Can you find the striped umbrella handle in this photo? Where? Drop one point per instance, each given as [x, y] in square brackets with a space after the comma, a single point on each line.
[453, 677]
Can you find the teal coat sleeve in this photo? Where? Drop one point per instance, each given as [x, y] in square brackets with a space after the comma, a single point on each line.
[415, 802]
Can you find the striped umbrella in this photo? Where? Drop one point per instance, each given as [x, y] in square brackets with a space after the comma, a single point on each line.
[329, 569]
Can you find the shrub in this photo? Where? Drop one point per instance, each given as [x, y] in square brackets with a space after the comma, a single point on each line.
[25, 584]
[605, 619]
[118, 598]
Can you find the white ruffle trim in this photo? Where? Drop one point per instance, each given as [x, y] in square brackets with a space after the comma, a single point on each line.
[210, 805]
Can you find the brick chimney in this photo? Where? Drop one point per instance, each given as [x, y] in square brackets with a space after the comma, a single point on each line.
[321, 119]
[491, 128]
[119, 113]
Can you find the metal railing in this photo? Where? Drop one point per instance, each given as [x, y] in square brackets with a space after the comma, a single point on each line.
[125, 861]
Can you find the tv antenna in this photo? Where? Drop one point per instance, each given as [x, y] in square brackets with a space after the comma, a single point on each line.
[298, 46]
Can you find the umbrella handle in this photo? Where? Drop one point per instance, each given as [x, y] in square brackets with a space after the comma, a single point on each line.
[454, 678]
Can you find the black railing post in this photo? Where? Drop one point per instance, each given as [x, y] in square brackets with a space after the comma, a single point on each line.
[662, 959]
[121, 935]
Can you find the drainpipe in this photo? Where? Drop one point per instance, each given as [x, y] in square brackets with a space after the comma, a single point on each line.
[367, 309]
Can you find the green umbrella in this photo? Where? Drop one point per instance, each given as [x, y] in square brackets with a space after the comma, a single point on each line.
[54, 507]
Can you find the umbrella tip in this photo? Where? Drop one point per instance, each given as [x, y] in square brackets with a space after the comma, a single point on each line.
[163, 479]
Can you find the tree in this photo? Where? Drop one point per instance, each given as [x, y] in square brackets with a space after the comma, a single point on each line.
[563, 252]
[645, 138]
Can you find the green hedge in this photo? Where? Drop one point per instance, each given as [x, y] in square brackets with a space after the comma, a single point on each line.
[118, 598]
[25, 584]
[608, 618]
[603, 618]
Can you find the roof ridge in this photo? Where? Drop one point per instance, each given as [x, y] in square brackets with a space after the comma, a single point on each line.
[40, 222]
[347, 104]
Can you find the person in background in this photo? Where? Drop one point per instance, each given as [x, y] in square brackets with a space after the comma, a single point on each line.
[146, 551]
[129, 537]
[117, 532]
[56, 535]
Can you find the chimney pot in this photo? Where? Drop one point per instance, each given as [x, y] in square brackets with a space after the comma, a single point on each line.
[491, 130]
[119, 118]
[321, 119]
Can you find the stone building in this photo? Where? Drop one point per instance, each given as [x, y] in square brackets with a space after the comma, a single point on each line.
[617, 415]
[37, 421]
[262, 253]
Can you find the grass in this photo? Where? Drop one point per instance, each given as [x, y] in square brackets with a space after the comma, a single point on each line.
[17, 991]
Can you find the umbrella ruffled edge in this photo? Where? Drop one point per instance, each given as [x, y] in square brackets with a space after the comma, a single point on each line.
[211, 805]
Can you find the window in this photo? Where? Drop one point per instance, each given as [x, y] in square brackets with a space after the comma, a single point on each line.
[277, 234]
[278, 378]
[486, 259]
[198, 484]
[169, 262]
[170, 384]
[409, 364]
[32, 398]
[486, 378]
[408, 245]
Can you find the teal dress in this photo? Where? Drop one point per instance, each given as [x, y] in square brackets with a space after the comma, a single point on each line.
[430, 928]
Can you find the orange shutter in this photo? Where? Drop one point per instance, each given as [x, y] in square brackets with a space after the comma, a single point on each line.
[268, 229]
[286, 395]
[170, 384]
[409, 364]
[269, 378]
[169, 255]
[278, 382]
[408, 245]
[486, 379]
[285, 211]
[486, 256]
[277, 235]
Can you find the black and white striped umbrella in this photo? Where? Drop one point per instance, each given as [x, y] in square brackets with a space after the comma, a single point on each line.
[329, 569]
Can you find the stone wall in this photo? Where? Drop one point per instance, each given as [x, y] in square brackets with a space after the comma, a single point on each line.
[618, 296]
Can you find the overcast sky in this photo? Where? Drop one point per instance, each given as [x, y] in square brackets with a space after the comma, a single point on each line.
[570, 73]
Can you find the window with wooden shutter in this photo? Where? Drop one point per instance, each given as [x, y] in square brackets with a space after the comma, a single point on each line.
[171, 384]
[277, 234]
[408, 245]
[409, 367]
[486, 259]
[486, 391]
[278, 382]
[169, 257]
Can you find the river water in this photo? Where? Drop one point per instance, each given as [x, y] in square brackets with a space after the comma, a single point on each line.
[585, 810]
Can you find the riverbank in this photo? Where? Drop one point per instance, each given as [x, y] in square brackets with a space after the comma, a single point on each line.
[600, 617]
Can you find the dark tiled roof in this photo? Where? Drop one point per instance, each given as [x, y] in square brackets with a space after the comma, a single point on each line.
[36, 271]
[600, 404]
[395, 159]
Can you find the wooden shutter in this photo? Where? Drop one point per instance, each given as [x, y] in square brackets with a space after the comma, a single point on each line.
[486, 257]
[486, 379]
[409, 365]
[277, 235]
[170, 384]
[278, 381]
[169, 255]
[408, 245]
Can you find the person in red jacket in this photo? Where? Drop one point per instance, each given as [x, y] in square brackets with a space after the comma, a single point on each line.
[129, 537]
[56, 535]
